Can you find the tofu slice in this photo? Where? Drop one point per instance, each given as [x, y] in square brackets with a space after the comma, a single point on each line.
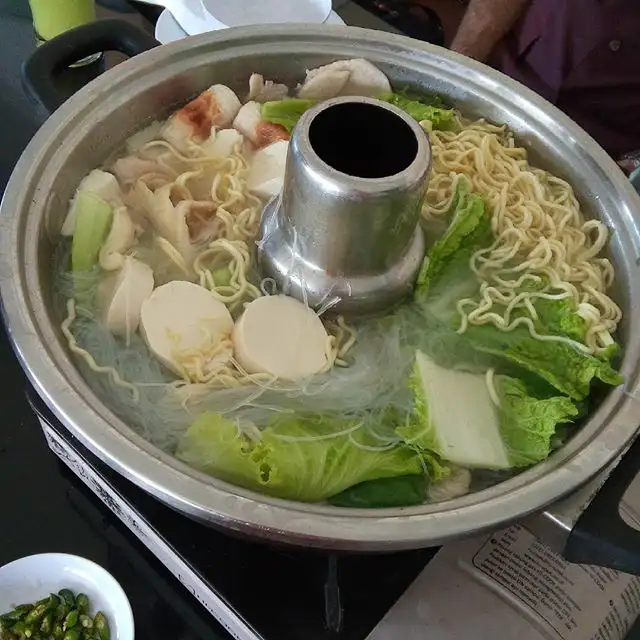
[122, 295]
[281, 336]
[266, 170]
[182, 316]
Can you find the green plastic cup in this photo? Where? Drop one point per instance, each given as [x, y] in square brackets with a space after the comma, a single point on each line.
[53, 17]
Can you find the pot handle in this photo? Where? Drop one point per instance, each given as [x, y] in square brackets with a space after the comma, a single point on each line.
[40, 69]
[600, 536]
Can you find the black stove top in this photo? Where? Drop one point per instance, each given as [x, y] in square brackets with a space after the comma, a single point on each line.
[278, 593]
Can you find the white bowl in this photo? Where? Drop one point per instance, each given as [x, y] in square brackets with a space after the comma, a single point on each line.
[241, 13]
[169, 28]
[34, 577]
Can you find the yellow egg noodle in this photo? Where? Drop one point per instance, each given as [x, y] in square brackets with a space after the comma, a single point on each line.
[233, 255]
[541, 236]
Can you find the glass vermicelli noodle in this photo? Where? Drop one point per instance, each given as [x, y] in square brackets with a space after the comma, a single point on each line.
[479, 373]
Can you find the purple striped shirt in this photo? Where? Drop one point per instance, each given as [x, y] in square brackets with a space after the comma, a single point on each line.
[584, 56]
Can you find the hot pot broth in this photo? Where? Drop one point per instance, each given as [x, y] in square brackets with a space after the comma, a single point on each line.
[481, 373]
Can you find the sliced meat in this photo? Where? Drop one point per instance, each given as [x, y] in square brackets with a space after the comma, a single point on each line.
[129, 169]
[261, 90]
[164, 217]
[200, 218]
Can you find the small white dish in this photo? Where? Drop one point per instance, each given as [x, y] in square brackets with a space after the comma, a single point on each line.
[33, 578]
[169, 30]
[241, 13]
[190, 15]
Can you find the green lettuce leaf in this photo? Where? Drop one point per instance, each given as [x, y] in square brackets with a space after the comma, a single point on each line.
[559, 317]
[561, 365]
[383, 425]
[306, 458]
[442, 119]
[285, 112]
[610, 354]
[216, 445]
[434, 467]
[403, 491]
[445, 276]
[528, 424]
[475, 433]
[429, 99]
[470, 229]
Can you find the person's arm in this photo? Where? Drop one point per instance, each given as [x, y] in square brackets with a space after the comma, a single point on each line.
[484, 24]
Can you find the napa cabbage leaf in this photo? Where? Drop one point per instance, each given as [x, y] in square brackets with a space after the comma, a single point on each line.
[285, 112]
[477, 423]
[439, 117]
[308, 458]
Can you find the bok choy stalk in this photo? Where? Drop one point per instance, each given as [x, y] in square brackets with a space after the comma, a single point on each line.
[474, 421]
[298, 457]
[93, 218]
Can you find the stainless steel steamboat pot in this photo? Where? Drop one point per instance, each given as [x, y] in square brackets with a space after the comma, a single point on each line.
[87, 128]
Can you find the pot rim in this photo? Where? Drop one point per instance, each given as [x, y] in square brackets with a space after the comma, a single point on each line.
[607, 433]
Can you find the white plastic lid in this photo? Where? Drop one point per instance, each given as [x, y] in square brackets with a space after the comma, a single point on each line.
[238, 13]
